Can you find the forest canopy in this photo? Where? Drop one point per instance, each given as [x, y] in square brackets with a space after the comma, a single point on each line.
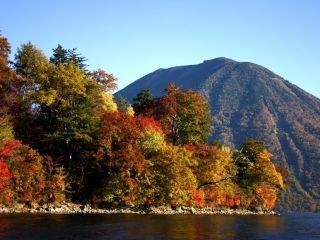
[65, 137]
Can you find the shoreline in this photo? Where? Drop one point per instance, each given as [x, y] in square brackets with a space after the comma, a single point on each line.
[71, 208]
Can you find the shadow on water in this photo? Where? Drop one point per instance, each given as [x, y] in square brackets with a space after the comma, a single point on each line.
[127, 226]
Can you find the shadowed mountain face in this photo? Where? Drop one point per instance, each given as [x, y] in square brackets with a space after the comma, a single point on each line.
[248, 100]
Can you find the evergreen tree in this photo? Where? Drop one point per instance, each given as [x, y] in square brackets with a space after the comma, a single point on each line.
[142, 102]
[59, 56]
[63, 56]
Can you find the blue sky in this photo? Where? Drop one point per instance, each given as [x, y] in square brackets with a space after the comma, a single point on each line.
[132, 38]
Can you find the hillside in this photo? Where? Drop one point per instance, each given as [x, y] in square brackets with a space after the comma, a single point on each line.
[248, 100]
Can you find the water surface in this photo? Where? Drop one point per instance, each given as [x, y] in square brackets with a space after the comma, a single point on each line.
[129, 226]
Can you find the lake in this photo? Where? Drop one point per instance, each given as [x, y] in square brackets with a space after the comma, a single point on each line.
[130, 226]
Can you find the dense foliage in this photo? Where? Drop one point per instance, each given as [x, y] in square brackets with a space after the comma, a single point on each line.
[72, 141]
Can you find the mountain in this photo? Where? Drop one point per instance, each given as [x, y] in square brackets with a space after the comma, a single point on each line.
[248, 100]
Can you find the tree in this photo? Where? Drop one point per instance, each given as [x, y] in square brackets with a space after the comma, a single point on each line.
[23, 177]
[28, 174]
[252, 148]
[66, 102]
[215, 165]
[59, 56]
[185, 116]
[55, 180]
[173, 180]
[152, 140]
[106, 81]
[31, 64]
[77, 59]
[9, 84]
[123, 166]
[215, 174]
[5, 50]
[66, 56]
[264, 170]
[254, 164]
[123, 105]
[66, 105]
[143, 102]
[257, 174]
[80, 140]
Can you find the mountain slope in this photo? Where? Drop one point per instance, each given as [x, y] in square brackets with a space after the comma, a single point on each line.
[248, 100]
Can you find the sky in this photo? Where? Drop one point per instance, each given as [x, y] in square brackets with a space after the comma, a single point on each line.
[131, 38]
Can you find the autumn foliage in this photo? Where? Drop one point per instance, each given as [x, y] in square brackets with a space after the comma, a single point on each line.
[71, 141]
[5, 174]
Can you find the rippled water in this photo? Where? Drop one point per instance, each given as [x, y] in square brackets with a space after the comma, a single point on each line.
[126, 226]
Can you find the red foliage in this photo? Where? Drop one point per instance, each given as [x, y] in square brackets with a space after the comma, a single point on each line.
[220, 198]
[198, 198]
[119, 153]
[7, 150]
[149, 123]
[24, 167]
[5, 174]
[118, 129]
[200, 150]
[190, 147]
[267, 196]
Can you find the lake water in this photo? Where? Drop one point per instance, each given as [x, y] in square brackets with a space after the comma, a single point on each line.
[126, 226]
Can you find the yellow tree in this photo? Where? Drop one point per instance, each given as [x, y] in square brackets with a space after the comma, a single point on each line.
[173, 178]
[257, 175]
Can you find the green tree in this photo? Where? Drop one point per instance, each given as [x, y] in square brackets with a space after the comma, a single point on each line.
[64, 56]
[143, 102]
[59, 56]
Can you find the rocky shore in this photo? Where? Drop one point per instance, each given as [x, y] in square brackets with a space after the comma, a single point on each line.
[71, 208]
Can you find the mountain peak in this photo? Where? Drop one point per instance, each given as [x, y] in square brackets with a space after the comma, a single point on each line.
[219, 60]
